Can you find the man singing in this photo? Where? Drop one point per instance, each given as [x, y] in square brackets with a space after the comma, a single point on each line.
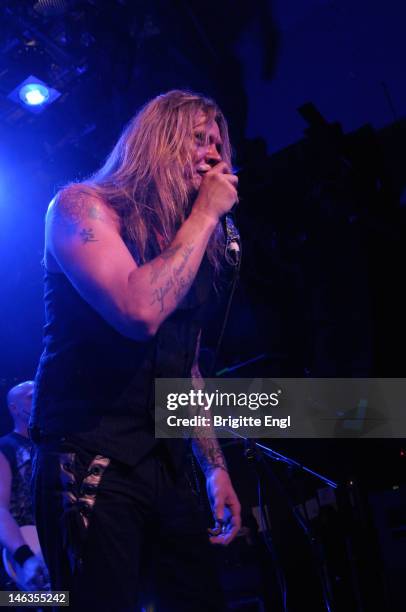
[130, 257]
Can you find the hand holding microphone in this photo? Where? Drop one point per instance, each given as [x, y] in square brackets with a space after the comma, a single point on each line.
[217, 196]
[217, 192]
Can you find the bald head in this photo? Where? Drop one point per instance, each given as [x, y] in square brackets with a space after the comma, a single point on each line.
[19, 401]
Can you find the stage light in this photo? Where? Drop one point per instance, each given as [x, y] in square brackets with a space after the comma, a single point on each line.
[33, 94]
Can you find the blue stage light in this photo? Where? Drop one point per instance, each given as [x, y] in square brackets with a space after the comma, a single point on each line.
[34, 95]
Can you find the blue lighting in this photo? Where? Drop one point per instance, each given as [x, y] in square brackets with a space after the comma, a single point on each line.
[34, 94]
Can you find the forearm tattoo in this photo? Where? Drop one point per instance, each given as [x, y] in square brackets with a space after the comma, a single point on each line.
[162, 264]
[209, 455]
[168, 278]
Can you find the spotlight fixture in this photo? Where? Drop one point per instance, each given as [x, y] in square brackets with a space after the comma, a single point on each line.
[51, 8]
[34, 95]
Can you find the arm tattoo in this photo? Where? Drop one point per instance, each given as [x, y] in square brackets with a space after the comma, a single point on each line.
[72, 209]
[209, 455]
[87, 235]
[94, 212]
[182, 285]
[197, 378]
[175, 282]
[206, 450]
[186, 253]
[158, 295]
[163, 263]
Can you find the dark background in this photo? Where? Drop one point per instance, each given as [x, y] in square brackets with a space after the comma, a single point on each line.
[315, 94]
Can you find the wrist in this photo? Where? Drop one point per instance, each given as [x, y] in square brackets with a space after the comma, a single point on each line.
[212, 469]
[209, 455]
[203, 218]
[22, 553]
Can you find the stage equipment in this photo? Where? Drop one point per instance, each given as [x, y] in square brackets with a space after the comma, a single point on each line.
[33, 94]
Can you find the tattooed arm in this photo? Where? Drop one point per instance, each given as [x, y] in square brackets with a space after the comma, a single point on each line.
[83, 241]
[207, 450]
[223, 499]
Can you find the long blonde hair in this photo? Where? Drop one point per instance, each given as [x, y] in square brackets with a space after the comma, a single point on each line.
[145, 176]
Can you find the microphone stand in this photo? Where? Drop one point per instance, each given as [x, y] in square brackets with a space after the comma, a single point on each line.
[257, 454]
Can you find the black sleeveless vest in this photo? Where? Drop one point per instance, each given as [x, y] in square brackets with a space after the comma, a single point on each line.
[18, 449]
[95, 386]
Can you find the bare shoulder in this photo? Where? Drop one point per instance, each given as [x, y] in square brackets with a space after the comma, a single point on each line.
[77, 204]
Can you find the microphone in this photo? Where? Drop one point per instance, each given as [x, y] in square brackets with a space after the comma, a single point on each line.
[232, 251]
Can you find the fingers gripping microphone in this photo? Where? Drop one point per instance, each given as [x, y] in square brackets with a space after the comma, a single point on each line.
[232, 236]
